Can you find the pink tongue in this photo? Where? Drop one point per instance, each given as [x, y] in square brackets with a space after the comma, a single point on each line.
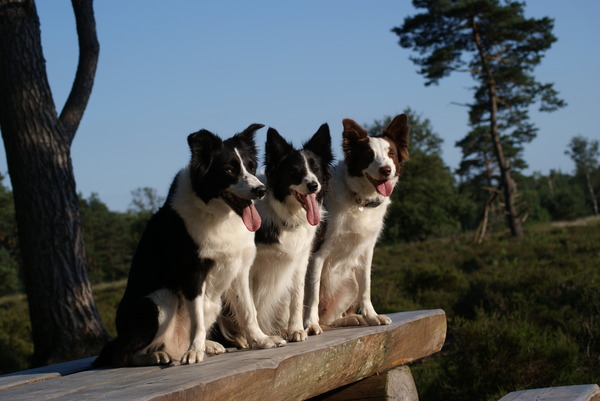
[251, 218]
[312, 209]
[385, 188]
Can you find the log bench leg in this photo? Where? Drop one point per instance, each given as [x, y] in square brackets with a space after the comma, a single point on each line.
[396, 384]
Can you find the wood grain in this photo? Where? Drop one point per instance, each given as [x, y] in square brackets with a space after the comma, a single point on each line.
[297, 371]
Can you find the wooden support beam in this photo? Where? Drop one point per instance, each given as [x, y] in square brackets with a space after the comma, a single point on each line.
[295, 372]
[394, 385]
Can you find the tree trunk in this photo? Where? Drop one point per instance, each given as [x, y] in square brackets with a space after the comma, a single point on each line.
[508, 185]
[591, 191]
[64, 319]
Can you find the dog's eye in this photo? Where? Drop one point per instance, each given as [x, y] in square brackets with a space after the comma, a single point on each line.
[229, 170]
[391, 154]
[251, 166]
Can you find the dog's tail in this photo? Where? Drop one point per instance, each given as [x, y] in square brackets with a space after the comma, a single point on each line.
[106, 357]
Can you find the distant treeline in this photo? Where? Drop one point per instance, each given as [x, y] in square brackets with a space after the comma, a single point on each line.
[430, 201]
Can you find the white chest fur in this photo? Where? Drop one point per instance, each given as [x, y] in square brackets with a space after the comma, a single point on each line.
[217, 230]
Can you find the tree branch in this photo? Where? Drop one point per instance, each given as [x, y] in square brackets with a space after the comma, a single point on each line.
[89, 49]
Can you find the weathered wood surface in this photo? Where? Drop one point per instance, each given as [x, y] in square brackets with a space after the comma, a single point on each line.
[396, 384]
[585, 392]
[295, 372]
[44, 373]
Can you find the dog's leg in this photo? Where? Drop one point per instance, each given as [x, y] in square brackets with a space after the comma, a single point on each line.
[312, 289]
[195, 352]
[341, 302]
[296, 330]
[363, 277]
[212, 308]
[241, 300]
[151, 320]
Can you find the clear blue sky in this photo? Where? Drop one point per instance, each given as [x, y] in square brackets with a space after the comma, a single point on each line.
[167, 69]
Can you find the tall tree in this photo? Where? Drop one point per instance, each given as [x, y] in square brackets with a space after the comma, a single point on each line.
[64, 319]
[494, 42]
[585, 154]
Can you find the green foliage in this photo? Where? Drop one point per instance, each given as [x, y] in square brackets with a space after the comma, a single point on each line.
[559, 196]
[16, 347]
[9, 263]
[108, 241]
[496, 354]
[521, 313]
[584, 153]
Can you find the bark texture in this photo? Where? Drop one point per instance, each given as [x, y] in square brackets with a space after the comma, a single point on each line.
[65, 322]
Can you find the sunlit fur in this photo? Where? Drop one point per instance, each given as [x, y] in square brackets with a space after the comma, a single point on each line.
[338, 282]
[286, 236]
[195, 250]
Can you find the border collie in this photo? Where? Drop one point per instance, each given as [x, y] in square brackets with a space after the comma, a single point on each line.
[339, 277]
[196, 248]
[291, 212]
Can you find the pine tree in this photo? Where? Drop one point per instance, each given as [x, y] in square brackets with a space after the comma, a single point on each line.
[499, 47]
[585, 154]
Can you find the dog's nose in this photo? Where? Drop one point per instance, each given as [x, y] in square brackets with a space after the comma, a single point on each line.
[259, 192]
[312, 186]
[385, 171]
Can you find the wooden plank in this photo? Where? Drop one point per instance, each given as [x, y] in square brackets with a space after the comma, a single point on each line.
[394, 385]
[585, 392]
[296, 371]
[44, 373]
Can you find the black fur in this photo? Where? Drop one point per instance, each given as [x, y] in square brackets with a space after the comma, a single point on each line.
[166, 256]
[285, 166]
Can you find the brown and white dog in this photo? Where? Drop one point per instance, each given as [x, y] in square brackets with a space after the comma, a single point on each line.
[339, 276]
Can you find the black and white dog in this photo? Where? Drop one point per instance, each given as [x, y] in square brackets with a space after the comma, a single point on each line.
[339, 277]
[197, 248]
[291, 211]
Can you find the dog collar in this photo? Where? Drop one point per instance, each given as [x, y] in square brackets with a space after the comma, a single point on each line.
[367, 202]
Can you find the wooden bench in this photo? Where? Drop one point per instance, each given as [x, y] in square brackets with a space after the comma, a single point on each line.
[352, 360]
[584, 392]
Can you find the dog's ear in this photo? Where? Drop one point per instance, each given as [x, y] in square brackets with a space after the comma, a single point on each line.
[276, 148]
[247, 135]
[203, 144]
[247, 138]
[398, 131]
[320, 144]
[353, 134]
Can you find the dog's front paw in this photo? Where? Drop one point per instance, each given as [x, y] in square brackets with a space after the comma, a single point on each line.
[351, 320]
[192, 356]
[297, 335]
[153, 358]
[313, 328]
[376, 320]
[269, 342]
[214, 348]
[241, 343]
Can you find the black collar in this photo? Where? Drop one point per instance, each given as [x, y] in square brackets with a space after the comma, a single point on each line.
[367, 202]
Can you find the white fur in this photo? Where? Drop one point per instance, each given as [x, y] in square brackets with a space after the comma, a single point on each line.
[340, 271]
[279, 270]
[243, 188]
